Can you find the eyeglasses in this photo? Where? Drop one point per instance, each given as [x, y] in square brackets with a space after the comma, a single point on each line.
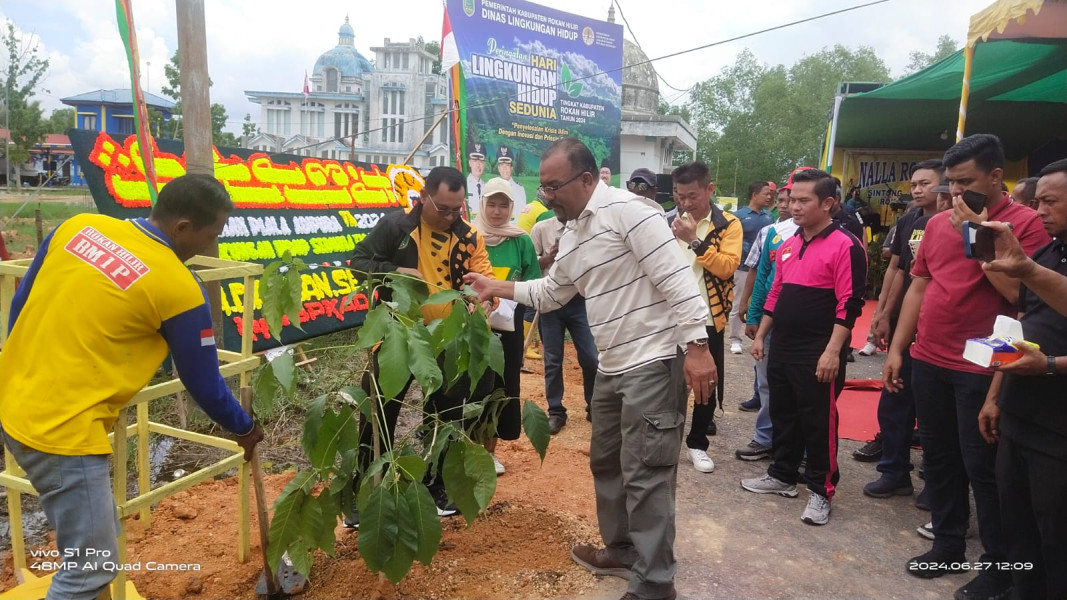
[639, 186]
[552, 189]
[448, 212]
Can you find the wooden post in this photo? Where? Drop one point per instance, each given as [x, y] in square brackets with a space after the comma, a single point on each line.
[196, 114]
[40, 226]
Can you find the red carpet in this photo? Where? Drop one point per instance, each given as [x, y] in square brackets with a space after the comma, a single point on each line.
[857, 409]
[857, 406]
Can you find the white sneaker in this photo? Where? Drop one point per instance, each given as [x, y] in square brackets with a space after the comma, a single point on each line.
[817, 512]
[701, 461]
[499, 466]
[735, 347]
[869, 350]
[765, 484]
[927, 531]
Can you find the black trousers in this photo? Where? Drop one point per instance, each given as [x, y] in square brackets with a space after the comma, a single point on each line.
[1033, 498]
[955, 455]
[804, 419]
[703, 413]
[447, 405]
[509, 425]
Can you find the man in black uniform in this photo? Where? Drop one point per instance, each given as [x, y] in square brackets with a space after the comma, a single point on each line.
[1030, 417]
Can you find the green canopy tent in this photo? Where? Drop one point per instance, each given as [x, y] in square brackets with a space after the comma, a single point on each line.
[1018, 91]
[1016, 66]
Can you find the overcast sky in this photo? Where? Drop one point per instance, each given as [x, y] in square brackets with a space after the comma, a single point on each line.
[269, 44]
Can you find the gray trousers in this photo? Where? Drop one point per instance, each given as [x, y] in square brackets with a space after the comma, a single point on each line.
[637, 434]
[75, 493]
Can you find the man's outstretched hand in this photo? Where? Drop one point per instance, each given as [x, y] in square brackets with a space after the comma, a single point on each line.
[482, 285]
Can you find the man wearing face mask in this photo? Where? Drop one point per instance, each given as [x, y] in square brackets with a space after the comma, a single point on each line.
[69, 367]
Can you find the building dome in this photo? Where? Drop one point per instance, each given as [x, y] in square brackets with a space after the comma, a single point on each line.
[640, 85]
[344, 57]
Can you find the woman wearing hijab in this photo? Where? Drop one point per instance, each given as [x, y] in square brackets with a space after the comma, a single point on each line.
[512, 254]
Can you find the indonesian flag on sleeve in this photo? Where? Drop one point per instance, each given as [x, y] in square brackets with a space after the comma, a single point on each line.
[207, 337]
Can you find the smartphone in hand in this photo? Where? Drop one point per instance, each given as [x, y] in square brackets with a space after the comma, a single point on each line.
[978, 242]
[974, 201]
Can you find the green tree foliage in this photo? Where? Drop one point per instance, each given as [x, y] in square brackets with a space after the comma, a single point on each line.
[248, 126]
[21, 73]
[173, 73]
[61, 120]
[946, 46]
[758, 122]
[398, 522]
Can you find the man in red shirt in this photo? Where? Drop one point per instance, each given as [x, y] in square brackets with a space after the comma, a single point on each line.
[950, 300]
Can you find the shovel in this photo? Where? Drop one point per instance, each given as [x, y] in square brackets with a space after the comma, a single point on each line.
[268, 588]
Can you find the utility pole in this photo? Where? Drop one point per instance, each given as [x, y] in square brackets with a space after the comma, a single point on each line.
[196, 113]
[7, 127]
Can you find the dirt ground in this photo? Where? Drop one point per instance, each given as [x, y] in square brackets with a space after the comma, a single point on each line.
[730, 543]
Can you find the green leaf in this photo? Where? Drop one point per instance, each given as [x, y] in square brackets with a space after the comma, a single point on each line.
[413, 467]
[565, 74]
[374, 327]
[408, 293]
[330, 508]
[288, 522]
[284, 371]
[407, 542]
[479, 336]
[496, 355]
[393, 370]
[300, 556]
[422, 360]
[313, 423]
[357, 398]
[378, 524]
[470, 478]
[445, 432]
[427, 523]
[535, 425]
[265, 390]
[449, 330]
[443, 296]
[280, 289]
[473, 410]
[323, 452]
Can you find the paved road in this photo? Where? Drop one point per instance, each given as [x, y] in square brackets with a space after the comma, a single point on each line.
[735, 544]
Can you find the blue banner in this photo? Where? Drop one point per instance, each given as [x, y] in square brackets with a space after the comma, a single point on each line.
[534, 75]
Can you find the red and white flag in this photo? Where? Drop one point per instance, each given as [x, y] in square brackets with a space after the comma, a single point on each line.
[449, 49]
[307, 88]
[207, 337]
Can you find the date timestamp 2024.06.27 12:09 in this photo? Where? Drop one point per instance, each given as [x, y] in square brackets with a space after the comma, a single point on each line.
[970, 566]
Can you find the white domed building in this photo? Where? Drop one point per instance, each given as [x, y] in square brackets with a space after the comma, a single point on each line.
[648, 139]
[358, 109]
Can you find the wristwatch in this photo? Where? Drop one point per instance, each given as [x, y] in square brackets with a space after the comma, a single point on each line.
[693, 245]
[1051, 365]
[699, 343]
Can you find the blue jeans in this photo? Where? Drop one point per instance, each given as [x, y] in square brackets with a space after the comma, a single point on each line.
[75, 493]
[570, 317]
[763, 417]
[896, 420]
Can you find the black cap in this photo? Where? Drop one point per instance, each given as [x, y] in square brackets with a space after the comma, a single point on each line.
[504, 155]
[477, 150]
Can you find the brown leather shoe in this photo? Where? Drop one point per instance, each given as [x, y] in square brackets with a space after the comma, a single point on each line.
[632, 596]
[599, 561]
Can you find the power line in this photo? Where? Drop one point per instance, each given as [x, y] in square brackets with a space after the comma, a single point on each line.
[634, 36]
[597, 74]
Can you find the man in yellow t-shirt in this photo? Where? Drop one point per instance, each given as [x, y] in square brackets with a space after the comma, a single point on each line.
[100, 307]
[433, 243]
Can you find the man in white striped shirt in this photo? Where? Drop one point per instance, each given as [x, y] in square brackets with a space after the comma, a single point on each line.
[648, 319]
